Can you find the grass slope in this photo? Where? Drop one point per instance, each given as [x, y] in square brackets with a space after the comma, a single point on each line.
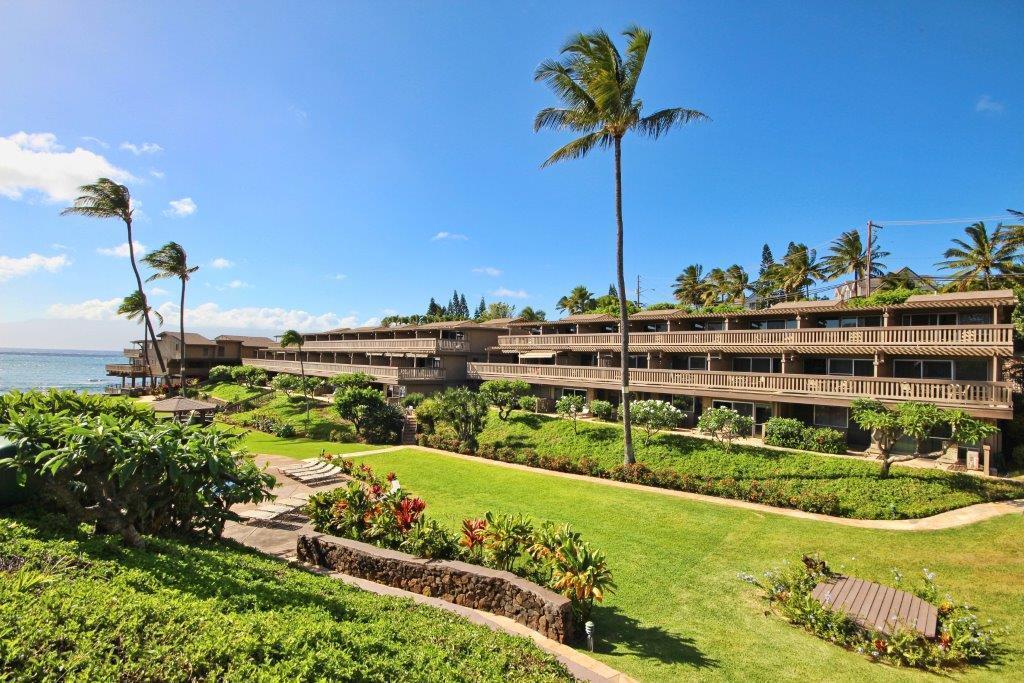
[293, 447]
[908, 493]
[210, 611]
[680, 612]
[230, 392]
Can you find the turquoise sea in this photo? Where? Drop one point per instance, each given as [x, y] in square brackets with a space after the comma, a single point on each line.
[44, 368]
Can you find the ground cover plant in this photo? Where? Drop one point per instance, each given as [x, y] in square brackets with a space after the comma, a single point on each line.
[960, 639]
[230, 391]
[679, 612]
[285, 416]
[80, 607]
[257, 442]
[848, 487]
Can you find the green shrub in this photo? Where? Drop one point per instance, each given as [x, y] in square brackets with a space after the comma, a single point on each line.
[884, 298]
[118, 467]
[284, 430]
[465, 412]
[220, 373]
[286, 382]
[357, 380]
[427, 415]
[824, 440]
[652, 416]
[412, 400]
[529, 403]
[249, 375]
[570, 406]
[504, 394]
[602, 410]
[785, 432]
[724, 425]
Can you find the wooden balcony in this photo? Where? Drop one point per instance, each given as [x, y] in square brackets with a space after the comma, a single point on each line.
[989, 399]
[383, 373]
[389, 345]
[977, 340]
[134, 352]
[127, 369]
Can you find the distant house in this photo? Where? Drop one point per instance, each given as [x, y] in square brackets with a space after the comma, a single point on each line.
[201, 354]
[904, 275]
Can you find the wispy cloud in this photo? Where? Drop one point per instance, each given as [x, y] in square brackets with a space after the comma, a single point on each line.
[337, 276]
[445, 235]
[300, 114]
[158, 291]
[141, 148]
[12, 267]
[179, 208]
[512, 293]
[121, 250]
[987, 105]
[221, 263]
[159, 175]
[488, 270]
[235, 284]
[35, 162]
[95, 141]
[58, 245]
[93, 309]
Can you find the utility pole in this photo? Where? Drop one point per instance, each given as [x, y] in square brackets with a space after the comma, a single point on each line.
[870, 249]
[638, 291]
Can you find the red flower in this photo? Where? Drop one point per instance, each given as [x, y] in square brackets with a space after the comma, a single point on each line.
[472, 533]
[391, 476]
[408, 511]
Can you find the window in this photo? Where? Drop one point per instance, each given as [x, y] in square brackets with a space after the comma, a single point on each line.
[697, 363]
[851, 321]
[831, 416]
[656, 327]
[923, 369]
[973, 370]
[757, 364]
[923, 319]
[609, 328]
[638, 360]
[588, 359]
[976, 318]
[815, 366]
[709, 325]
[773, 324]
[582, 393]
[759, 412]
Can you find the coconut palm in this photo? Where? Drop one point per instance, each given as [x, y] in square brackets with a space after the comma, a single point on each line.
[529, 314]
[800, 268]
[293, 338]
[1017, 229]
[170, 261]
[134, 307]
[847, 254]
[737, 282]
[107, 199]
[983, 261]
[597, 88]
[579, 300]
[690, 285]
[715, 285]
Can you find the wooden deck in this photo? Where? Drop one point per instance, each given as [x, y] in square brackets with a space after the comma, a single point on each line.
[877, 607]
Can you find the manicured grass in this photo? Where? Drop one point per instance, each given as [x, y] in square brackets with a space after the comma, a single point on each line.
[908, 493]
[322, 423]
[294, 447]
[212, 611]
[230, 392]
[681, 613]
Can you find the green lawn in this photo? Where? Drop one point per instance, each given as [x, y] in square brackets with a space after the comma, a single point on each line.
[77, 607]
[854, 483]
[681, 613]
[295, 447]
[230, 392]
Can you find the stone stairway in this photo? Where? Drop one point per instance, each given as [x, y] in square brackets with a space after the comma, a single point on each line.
[409, 430]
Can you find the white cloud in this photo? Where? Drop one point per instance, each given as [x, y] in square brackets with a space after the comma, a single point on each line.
[337, 276]
[58, 245]
[181, 207]
[445, 235]
[159, 175]
[389, 311]
[121, 250]
[93, 309]
[158, 291]
[299, 114]
[12, 267]
[513, 293]
[143, 148]
[211, 315]
[34, 162]
[987, 105]
[95, 141]
[488, 270]
[236, 284]
[220, 263]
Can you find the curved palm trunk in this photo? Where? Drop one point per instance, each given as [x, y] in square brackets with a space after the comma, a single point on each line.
[145, 303]
[627, 433]
[181, 329]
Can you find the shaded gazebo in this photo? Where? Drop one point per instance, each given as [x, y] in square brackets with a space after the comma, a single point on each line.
[182, 408]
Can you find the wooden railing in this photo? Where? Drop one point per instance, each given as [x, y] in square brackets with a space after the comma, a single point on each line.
[381, 372]
[134, 352]
[127, 369]
[880, 337]
[977, 394]
[398, 345]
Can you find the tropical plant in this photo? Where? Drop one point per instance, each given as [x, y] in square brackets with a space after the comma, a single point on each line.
[496, 309]
[285, 382]
[597, 89]
[358, 405]
[724, 425]
[847, 254]
[965, 429]
[570, 406]
[412, 400]
[427, 414]
[466, 412]
[504, 394]
[690, 286]
[293, 338]
[529, 403]
[602, 410]
[983, 260]
[575, 569]
[528, 314]
[134, 306]
[171, 261]
[115, 465]
[579, 300]
[885, 426]
[107, 199]
[800, 269]
[653, 416]
[785, 432]
[220, 373]
[505, 539]
[352, 379]
[736, 284]
[918, 420]
[249, 375]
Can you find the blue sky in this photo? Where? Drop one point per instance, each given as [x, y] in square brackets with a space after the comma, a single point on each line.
[324, 146]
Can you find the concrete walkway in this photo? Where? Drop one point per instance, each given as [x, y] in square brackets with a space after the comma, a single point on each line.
[944, 520]
[280, 538]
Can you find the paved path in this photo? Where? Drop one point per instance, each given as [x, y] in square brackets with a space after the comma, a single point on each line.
[280, 538]
[944, 520]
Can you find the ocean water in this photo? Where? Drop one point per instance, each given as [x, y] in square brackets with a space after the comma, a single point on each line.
[42, 368]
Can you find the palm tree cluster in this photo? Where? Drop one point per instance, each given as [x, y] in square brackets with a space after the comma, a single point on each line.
[986, 260]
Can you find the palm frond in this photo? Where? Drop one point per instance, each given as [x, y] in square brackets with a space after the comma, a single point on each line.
[579, 148]
[636, 51]
[660, 122]
[565, 119]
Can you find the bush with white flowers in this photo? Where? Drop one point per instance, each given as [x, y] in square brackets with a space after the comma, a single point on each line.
[654, 415]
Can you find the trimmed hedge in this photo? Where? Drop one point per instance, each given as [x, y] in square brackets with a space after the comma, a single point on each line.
[790, 433]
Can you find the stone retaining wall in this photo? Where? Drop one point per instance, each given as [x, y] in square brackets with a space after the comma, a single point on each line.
[478, 587]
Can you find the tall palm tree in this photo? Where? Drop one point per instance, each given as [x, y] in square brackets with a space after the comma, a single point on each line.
[983, 261]
[597, 88]
[847, 254]
[737, 282]
[529, 314]
[134, 307]
[293, 338]
[715, 287]
[800, 268]
[690, 285]
[1017, 229]
[107, 199]
[579, 300]
[171, 261]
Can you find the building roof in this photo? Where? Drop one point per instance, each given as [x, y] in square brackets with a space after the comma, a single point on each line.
[180, 404]
[257, 342]
[191, 338]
